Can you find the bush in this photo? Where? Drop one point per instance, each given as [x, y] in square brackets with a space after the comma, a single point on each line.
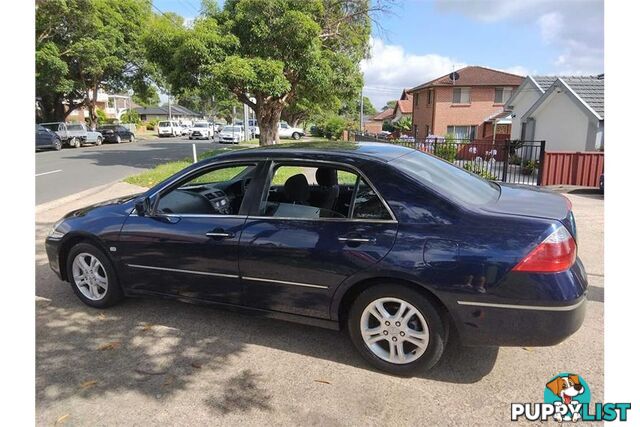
[478, 169]
[151, 124]
[130, 116]
[102, 116]
[514, 159]
[529, 167]
[332, 127]
[446, 151]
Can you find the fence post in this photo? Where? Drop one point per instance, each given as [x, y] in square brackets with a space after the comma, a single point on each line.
[505, 166]
[541, 168]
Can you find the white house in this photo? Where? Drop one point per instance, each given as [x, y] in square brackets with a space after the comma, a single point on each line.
[566, 112]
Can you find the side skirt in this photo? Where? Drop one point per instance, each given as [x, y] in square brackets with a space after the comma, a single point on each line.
[288, 317]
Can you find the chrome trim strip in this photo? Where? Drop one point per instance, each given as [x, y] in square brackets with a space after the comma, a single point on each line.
[177, 270]
[288, 218]
[525, 307]
[306, 285]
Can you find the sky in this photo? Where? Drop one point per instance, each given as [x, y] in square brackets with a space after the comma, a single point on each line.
[424, 39]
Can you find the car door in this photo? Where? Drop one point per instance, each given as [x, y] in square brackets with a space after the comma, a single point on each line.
[188, 244]
[41, 137]
[293, 254]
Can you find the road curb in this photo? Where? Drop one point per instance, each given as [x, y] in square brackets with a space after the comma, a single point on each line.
[43, 207]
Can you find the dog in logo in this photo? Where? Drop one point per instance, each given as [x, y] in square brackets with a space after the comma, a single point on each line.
[566, 388]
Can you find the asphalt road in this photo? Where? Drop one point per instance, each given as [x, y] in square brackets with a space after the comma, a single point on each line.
[65, 172]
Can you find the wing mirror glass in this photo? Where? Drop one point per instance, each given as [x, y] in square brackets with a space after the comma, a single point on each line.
[143, 207]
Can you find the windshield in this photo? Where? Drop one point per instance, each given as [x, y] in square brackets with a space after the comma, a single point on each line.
[232, 129]
[446, 179]
[201, 125]
[164, 124]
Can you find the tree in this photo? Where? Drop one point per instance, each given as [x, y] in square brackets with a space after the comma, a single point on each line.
[148, 98]
[84, 46]
[390, 104]
[403, 125]
[282, 53]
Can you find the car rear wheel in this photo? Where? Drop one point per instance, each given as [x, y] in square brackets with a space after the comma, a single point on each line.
[397, 329]
[57, 144]
[75, 143]
[99, 140]
[132, 138]
[295, 136]
[118, 139]
[92, 276]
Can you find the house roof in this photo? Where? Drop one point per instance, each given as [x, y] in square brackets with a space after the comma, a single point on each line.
[544, 82]
[475, 76]
[177, 110]
[384, 114]
[586, 91]
[405, 106]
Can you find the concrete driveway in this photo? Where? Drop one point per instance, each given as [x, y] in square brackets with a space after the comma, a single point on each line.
[151, 362]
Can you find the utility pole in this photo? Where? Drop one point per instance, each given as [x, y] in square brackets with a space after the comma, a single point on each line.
[362, 110]
[169, 107]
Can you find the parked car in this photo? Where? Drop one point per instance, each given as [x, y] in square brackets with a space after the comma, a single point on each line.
[397, 246]
[284, 131]
[200, 130]
[116, 133]
[46, 138]
[184, 129]
[94, 137]
[217, 127]
[70, 134]
[231, 134]
[169, 128]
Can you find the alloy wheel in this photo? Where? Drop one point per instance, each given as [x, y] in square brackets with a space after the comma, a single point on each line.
[89, 276]
[394, 330]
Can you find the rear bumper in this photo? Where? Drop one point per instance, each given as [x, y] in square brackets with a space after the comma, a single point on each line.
[523, 310]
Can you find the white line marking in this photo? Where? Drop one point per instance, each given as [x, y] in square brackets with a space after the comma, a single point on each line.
[47, 173]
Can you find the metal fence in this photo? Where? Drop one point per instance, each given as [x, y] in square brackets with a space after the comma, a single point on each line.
[518, 162]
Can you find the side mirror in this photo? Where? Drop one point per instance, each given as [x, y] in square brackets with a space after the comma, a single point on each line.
[143, 207]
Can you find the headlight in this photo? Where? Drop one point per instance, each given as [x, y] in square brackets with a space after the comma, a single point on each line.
[55, 233]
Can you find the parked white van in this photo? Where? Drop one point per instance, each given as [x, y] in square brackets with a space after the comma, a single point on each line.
[169, 128]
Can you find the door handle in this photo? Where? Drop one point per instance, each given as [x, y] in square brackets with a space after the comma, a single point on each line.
[356, 239]
[220, 234]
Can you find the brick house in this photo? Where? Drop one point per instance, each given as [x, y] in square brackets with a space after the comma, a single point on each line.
[462, 107]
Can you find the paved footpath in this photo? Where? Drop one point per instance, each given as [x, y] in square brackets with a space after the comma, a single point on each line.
[155, 362]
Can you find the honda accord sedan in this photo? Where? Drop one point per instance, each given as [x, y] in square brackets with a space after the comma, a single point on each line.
[397, 247]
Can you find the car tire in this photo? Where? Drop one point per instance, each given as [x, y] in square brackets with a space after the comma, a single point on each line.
[57, 144]
[422, 324]
[74, 142]
[118, 139]
[97, 284]
[98, 141]
[132, 138]
[295, 136]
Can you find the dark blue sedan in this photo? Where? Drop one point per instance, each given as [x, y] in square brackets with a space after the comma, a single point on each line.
[399, 247]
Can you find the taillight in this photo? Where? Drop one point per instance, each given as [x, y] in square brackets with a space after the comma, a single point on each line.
[556, 253]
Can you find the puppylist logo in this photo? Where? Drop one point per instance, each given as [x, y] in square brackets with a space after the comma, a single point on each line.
[567, 397]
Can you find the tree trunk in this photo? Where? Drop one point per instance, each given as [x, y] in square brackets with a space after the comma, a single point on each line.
[91, 104]
[268, 116]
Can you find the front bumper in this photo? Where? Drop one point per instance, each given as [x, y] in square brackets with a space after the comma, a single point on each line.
[52, 247]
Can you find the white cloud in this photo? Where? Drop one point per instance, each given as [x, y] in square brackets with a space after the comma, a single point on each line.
[575, 28]
[390, 69]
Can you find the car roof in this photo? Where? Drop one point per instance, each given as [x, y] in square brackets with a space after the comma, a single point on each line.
[310, 150]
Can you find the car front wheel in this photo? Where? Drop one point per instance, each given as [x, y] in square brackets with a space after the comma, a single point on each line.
[397, 329]
[295, 136]
[92, 276]
[132, 138]
[118, 139]
[75, 143]
[98, 141]
[57, 145]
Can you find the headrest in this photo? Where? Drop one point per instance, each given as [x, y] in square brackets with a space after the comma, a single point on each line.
[326, 177]
[296, 188]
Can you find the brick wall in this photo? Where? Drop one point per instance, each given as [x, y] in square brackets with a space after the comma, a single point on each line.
[481, 107]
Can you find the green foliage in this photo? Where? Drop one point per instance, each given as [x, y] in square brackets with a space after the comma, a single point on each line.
[392, 104]
[479, 169]
[101, 116]
[84, 46]
[446, 151]
[147, 98]
[151, 124]
[529, 167]
[130, 116]
[403, 125]
[386, 126]
[301, 55]
[332, 126]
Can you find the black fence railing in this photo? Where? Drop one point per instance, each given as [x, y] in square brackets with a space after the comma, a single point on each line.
[518, 162]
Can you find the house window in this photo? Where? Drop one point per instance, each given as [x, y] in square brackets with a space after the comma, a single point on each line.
[427, 130]
[462, 95]
[429, 97]
[462, 132]
[502, 94]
